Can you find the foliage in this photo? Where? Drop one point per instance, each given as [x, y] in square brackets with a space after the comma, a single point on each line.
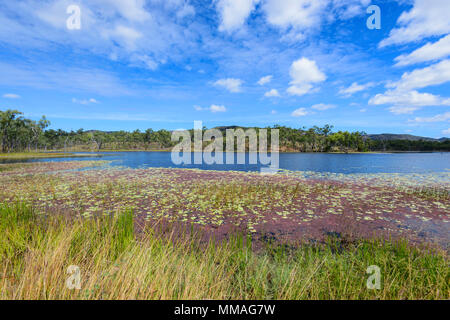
[20, 134]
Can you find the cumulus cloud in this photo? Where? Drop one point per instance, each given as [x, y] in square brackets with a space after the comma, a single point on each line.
[231, 84]
[293, 16]
[234, 13]
[264, 80]
[408, 101]
[216, 108]
[354, 88]
[298, 17]
[298, 14]
[301, 112]
[323, 107]
[447, 131]
[403, 94]
[11, 96]
[429, 52]
[272, 93]
[427, 18]
[304, 74]
[420, 78]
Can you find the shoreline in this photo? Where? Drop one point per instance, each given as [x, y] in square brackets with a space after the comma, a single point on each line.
[162, 150]
[87, 154]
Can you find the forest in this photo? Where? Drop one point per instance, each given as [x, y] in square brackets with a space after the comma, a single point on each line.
[19, 134]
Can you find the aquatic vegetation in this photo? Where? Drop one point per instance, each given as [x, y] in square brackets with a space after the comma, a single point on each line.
[36, 252]
[27, 168]
[292, 205]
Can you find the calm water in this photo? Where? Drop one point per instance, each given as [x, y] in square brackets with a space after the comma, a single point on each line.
[335, 163]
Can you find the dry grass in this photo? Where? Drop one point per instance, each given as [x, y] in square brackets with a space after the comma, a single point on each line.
[36, 251]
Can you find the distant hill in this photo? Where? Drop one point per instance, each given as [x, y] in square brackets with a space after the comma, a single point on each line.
[409, 137]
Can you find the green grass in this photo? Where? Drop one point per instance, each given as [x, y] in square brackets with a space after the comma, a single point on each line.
[36, 251]
[31, 155]
[37, 155]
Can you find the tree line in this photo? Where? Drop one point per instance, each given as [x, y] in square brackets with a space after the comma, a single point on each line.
[18, 134]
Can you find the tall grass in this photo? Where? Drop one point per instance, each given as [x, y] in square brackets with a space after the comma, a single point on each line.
[36, 251]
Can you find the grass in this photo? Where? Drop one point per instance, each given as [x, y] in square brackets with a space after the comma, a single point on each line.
[31, 155]
[37, 249]
[38, 155]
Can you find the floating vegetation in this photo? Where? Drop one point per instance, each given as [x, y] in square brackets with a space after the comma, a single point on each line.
[293, 205]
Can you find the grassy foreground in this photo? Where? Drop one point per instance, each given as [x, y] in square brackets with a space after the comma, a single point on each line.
[36, 251]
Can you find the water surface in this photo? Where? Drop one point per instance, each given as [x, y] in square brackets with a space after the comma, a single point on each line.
[318, 162]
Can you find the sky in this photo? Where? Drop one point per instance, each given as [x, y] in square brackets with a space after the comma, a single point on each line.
[138, 64]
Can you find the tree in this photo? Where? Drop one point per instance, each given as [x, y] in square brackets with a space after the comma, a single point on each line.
[10, 121]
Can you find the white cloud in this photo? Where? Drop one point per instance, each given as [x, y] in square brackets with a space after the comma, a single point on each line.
[427, 18]
[347, 9]
[437, 118]
[304, 73]
[84, 101]
[323, 107]
[274, 112]
[11, 96]
[127, 36]
[354, 88]
[215, 108]
[231, 84]
[301, 112]
[402, 110]
[298, 14]
[403, 96]
[429, 52]
[115, 29]
[234, 13]
[264, 80]
[420, 78]
[298, 17]
[272, 93]
[133, 10]
[447, 131]
[408, 101]
[300, 90]
[144, 61]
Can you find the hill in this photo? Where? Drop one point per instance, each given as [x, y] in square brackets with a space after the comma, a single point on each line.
[408, 137]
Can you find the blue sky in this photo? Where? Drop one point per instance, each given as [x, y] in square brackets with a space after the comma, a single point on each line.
[141, 64]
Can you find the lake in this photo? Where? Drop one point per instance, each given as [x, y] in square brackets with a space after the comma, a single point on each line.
[318, 162]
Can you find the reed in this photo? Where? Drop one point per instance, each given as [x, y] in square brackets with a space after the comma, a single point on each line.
[36, 251]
